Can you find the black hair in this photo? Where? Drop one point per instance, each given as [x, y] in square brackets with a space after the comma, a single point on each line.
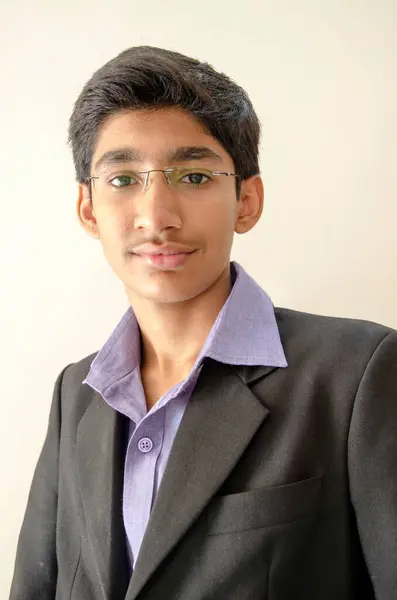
[149, 77]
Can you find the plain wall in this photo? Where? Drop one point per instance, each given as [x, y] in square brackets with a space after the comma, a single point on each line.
[322, 76]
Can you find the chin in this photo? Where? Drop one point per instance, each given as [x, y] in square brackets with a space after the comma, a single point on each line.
[169, 290]
[169, 296]
[171, 286]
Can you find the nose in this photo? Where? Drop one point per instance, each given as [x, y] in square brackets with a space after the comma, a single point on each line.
[157, 208]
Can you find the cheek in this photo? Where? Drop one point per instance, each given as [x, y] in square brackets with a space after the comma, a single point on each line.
[114, 225]
[121, 222]
[113, 232]
[218, 224]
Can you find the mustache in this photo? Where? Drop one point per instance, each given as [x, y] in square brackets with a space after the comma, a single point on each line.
[157, 240]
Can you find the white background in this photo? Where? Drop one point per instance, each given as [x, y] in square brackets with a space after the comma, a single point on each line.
[323, 78]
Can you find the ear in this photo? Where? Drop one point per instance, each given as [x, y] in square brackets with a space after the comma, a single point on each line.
[250, 204]
[85, 211]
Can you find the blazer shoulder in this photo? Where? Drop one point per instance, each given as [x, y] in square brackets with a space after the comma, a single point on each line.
[327, 335]
[75, 397]
[78, 371]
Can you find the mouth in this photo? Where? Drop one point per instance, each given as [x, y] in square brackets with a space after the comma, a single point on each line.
[166, 261]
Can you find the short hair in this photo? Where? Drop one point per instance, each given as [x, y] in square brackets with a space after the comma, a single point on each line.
[149, 77]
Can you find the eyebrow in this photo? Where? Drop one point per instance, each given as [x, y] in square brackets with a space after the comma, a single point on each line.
[181, 154]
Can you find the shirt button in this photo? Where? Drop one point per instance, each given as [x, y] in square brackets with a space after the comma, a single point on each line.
[145, 445]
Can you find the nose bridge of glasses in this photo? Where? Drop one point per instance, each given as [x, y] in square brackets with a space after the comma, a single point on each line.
[167, 174]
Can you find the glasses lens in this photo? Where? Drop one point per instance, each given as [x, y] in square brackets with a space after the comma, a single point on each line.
[191, 176]
[122, 183]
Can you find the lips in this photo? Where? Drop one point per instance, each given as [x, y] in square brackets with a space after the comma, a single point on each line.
[167, 260]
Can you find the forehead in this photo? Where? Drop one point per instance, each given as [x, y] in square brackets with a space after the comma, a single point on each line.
[154, 133]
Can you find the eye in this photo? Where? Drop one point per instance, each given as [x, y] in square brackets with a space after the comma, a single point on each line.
[123, 181]
[196, 179]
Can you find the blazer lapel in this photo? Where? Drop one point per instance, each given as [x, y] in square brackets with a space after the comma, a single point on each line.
[101, 446]
[220, 420]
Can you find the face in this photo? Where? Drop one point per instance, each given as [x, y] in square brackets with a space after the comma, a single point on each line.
[196, 215]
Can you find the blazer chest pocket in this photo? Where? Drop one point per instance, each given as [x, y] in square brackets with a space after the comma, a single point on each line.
[263, 507]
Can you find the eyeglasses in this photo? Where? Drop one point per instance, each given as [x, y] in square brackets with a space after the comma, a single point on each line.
[184, 179]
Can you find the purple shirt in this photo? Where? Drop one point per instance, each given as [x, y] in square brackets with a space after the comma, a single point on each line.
[244, 333]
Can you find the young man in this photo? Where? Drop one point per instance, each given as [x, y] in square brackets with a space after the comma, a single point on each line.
[216, 447]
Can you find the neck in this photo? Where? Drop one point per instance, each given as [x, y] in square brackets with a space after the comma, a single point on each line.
[173, 334]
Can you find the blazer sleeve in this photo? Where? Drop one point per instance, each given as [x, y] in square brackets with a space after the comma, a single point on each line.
[35, 570]
[372, 462]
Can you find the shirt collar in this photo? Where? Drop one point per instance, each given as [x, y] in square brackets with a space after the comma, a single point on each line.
[244, 333]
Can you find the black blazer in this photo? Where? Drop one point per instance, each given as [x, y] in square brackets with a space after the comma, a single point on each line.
[281, 483]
